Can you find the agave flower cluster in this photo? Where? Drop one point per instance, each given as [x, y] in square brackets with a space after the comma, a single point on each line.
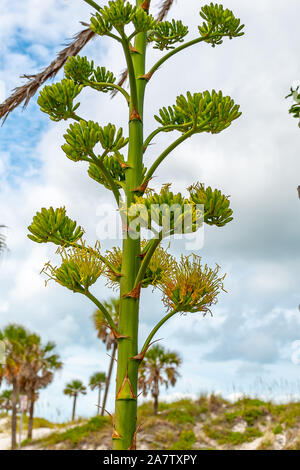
[167, 213]
[191, 287]
[80, 268]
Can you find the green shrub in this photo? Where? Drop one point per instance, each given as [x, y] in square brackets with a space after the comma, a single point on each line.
[278, 429]
[250, 415]
[179, 416]
[75, 435]
[249, 402]
[186, 441]
[225, 436]
[42, 423]
[231, 416]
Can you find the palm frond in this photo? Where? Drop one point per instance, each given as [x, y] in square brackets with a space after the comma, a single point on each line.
[2, 240]
[27, 91]
[24, 93]
[164, 9]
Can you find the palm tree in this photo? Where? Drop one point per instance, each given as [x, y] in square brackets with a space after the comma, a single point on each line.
[158, 368]
[105, 334]
[16, 339]
[73, 389]
[39, 370]
[96, 381]
[29, 366]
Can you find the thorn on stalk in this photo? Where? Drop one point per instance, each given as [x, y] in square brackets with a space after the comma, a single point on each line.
[109, 414]
[133, 443]
[134, 115]
[146, 76]
[124, 165]
[116, 435]
[146, 5]
[115, 273]
[134, 293]
[114, 332]
[118, 335]
[141, 355]
[126, 391]
[133, 50]
[142, 188]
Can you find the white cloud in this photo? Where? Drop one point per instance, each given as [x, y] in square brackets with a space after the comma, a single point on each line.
[270, 277]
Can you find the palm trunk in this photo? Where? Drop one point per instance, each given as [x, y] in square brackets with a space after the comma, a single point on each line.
[14, 415]
[127, 372]
[111, 365]
[99, 396]
[74, 407]
[155, 403]
[155, 394]
[31, 413]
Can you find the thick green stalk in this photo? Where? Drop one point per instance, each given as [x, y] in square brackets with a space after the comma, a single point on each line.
[127, 372]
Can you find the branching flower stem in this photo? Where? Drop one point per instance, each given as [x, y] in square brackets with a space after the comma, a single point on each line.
[149, 253]
[93, 4]
[179, 49]
[77, 118]
[156, 328]
[132, 80]
[194, 130]
[103, 310]
[111, 85]
[93, 252]
[96, 161]
[164, 129]
[166, 152]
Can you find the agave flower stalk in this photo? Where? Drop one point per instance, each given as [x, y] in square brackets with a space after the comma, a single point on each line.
[187, 286]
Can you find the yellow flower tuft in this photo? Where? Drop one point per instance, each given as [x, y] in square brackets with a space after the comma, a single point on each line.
[191, 287]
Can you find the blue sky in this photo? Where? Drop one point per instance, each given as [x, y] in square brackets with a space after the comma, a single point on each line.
[248, 343]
